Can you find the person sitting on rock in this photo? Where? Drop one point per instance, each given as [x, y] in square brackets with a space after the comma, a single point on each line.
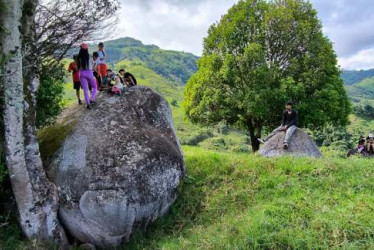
[130, 79]
[108, 78]
[289, 123]
[119, 81]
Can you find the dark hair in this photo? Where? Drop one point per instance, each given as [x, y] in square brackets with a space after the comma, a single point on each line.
[83, 59]
[75, 57]
[290, 104]
[101, 45]
[109, 70]
[95, 54]
[122, 70]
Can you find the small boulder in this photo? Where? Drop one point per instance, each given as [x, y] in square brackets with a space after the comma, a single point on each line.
[301, 144]
[119, 168]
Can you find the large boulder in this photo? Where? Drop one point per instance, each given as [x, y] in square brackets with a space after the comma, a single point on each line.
[301, 144]
[119, 167]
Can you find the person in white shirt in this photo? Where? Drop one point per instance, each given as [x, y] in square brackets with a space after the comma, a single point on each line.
[102, 67]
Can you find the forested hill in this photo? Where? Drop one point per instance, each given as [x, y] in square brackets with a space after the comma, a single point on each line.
[173, 65]
[351, 77]
[359, 84]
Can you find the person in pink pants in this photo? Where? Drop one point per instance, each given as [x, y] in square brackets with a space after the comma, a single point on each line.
[86, 75]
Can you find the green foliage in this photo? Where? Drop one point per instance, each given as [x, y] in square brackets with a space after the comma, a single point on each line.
[364, 110]
[337, 138]
[197, 137]
[174, 103]
[241, 201]
[50, 95]
[260, 55]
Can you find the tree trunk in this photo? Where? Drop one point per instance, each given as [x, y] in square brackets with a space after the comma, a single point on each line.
[36, 197]
[12, 81]
[254, 133]
[41, 186]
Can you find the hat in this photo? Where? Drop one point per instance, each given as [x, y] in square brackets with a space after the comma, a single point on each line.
[84, 46]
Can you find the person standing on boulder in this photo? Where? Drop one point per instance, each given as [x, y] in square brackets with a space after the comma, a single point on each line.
[289, 123]
[86, 74]
[76, 82]
[101, 62]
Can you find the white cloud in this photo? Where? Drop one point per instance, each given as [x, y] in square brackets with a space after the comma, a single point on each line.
[364, 59]
[173, 24]
[182, 25]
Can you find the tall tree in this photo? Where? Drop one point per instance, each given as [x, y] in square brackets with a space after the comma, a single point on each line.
[260, 55]
[34, 194]
[22, 55]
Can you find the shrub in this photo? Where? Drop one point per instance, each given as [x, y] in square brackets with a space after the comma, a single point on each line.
[174, 103]
[364, 110]
[195, 139]
[50, 94]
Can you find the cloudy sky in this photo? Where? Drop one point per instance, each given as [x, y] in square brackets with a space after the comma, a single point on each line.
[182, 25]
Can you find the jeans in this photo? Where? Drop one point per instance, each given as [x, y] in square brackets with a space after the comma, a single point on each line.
[289, 133]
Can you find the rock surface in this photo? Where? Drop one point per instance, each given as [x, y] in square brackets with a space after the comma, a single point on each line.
[119, 167]
[301, 144]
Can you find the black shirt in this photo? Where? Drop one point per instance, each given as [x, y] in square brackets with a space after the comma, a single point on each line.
[129, 76]
[289, 119]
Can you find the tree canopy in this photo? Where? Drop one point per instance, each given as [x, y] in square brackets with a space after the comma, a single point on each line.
[259, 56]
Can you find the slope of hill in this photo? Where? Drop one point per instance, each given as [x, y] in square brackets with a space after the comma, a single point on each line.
[173, 65]
[241, 201]
[359, 84]
[360, 88]
[353, 76]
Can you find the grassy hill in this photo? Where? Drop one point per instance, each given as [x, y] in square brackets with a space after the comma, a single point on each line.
[235, 200]
[244, 201]
[172, 65]
[360, 88]
[351, 77]
[241, 201]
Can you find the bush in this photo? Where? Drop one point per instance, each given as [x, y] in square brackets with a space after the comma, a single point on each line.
[244, 148]
[50, 94]
[174, 103]
[223, 128]
[195, 139]
[364, 110]
[335, 137]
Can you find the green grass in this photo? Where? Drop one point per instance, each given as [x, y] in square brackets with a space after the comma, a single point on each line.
[241, 201]
[244, 201]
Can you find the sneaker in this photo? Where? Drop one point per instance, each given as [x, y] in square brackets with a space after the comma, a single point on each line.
[261, 140]
[285, 146]
[88, 106]
[79, 102]
[93, 102]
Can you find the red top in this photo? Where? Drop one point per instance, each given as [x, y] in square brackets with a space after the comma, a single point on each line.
[73, 68]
